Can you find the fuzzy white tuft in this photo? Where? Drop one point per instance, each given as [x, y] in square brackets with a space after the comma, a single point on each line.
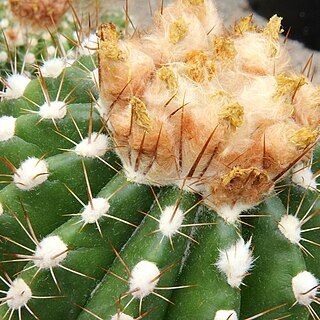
[89, 45]
[31, 173]
[4, 23]
[51, 51]
[290, 227]
[1, 209]
[51, 251]
[91, 214]
[121, 316]
[235, 262]
[134, 176]
[52, 68]
[142, 278]
[303, 176]
[54, 110]
[30, 58]
[226, 315]
[18, 295]
[16, 84]
[95, 147]
[169, 226]
[103, 112]
[232, 214]
[305, 287]
[7, 127]
[3, 56]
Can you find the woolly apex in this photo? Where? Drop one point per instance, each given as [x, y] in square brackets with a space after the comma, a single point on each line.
[39, 14]
[220, 109]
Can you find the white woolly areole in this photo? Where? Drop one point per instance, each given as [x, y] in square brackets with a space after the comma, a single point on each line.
[167, 225]
[134, 176]
[235, 262]
[54, 110]
[91, 214]
[231, 214]
[16, 84]
[289, 226]
[226, 315]
[303, 176]
[305, 287]
[142, 277]
[1, 209]
[7, 127]
[19, 294]
[31, 173]
[51, 251]
[53, 67]
[122, 316]
[89, 45]
[95, 147]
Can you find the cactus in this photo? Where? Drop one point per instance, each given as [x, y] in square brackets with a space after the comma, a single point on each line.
[34, 32]
[168, 174]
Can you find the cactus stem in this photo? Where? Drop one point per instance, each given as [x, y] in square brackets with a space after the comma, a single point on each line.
[48, 254]
[260, 314]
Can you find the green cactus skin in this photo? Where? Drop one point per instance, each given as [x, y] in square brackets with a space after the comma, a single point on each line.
[279, 261]
[89, 251]
[150, 246]
[212, 285]
[99, 256]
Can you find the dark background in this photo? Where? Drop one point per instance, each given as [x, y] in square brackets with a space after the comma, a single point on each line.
[303, 16]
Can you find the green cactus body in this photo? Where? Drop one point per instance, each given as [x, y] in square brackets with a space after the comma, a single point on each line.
[212, 284]
[89, 251]
[271, 285]
[155, 255]
[168, 175]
